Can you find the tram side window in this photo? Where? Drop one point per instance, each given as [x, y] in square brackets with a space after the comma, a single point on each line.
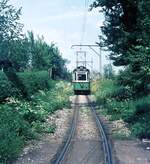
[88, 77]
[81, 76]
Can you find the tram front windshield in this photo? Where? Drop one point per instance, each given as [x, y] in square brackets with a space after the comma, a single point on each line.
[81, 76]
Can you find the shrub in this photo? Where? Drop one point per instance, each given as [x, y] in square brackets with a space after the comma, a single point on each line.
[120, 104]
[121, 93]
[143, 106]
[21, 120]
[34, 81]
[137, 109]
[141, 122]
[23, 84]
[10, 145]
[141, 129]
[13, 129]
[55, 99]
[6, 87]
[43, 128]
[106, 87]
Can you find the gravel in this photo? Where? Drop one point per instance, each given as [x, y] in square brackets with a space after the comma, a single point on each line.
[42, 151]
[126, 150]
[86, 126]
[86, 144]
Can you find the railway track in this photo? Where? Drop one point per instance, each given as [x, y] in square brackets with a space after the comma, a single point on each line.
[67, 144]
[103, 142]
[106, 145]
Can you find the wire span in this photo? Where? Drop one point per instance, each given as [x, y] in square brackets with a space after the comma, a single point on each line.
[84, 22]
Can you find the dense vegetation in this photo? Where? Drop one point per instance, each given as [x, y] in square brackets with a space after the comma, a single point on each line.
[21, 120]
[26, 51]
[28, 92]
[126, 34]
[116, 102]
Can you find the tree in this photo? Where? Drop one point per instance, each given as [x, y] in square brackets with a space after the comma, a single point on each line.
[108, 71]
[43, 56]
[127, 36]
[119, 27]
[19, 54]
[9, 21]
[25, 51]
[10, 30]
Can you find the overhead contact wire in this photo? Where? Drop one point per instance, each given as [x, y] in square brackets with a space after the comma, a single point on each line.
[84, 22]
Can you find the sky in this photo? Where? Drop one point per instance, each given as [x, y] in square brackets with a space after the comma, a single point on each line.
[62, 22]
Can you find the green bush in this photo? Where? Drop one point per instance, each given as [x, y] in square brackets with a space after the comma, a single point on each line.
[13, 130]
[141, 121]
[6, 87]
[43, 128]
[119, 103]
[136, 109]
[23, 84]
[22, 120]
[55, 99]
[10, 146]
[141, 129]
[137, 80]
[143, 106]
[34, 81]
[105, 89]
[121, 93]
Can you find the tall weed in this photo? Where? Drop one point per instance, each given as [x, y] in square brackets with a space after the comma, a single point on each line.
[22, 120]
[120, 104]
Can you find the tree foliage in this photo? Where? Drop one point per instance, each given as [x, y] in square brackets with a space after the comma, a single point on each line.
[26, 95]
[44, 56]
[10, 28]
[119, 27]
[25, 51]
[127, 36]
[108, 71]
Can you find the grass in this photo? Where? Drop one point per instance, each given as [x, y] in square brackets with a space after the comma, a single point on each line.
[21, 120]
[35, 81]
[102, 89]
[118, 102]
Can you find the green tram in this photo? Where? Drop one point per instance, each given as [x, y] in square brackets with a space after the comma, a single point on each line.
[81, 81]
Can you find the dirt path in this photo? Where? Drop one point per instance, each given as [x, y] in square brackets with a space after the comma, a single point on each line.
[125, 151]
[132, 152]
[86, 146]
[42, 151]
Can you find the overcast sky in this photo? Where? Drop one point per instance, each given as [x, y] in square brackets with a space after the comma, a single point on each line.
[61, 22]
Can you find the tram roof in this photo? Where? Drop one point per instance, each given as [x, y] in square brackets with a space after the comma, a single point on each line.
[81, 68]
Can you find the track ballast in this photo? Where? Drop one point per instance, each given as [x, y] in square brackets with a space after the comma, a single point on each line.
[72, 142]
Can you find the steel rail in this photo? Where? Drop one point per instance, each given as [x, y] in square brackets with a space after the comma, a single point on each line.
[106, 145]
[65, 149]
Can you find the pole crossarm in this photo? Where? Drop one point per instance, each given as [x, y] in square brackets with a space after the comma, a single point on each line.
[84, 45]
[92, 47]
[88, 45]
